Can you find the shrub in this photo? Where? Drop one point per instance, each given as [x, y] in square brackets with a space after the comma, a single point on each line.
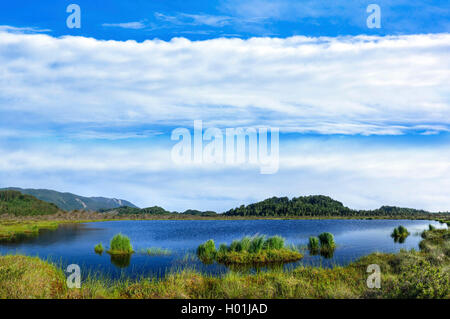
[207, 250]
[431, 227]
[327, 240]
[99, 248]
[275, 242]
[120, 244]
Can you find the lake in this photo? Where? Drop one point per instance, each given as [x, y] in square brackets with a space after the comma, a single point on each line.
[74, 244]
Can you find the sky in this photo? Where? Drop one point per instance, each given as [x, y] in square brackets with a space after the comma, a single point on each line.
[363, 113]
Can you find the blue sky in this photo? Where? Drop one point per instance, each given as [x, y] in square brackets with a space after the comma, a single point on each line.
[198, 20]
[363, 113]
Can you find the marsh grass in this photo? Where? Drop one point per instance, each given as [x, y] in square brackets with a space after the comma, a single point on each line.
[400, 233]
[249, 250]
[327, 241]
[11, 230]
[99, 248]
[156, 251]
[207, 251]
[313, 245]
[120, 245]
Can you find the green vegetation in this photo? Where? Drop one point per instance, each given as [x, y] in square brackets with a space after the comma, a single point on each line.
[156, 210]
[327, 241]
[316, 205]
[120, 245]
[313, 245]
[207, 251]
[249, 250]
[399, 234]
[12, 229]
[156, 251]
[99, 248]
[407, 274]
[17, 204]
[24, 277]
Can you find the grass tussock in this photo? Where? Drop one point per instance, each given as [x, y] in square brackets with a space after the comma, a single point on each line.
[99, 248]
[249, 250]
[156, 251]
[400, 233]
[120, 245]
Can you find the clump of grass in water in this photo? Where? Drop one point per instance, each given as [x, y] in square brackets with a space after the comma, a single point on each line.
[120, 245]
[327, 241]
[155, 251]
[399, 234]
[207, 251]
[99, 248]
[313, 245]
[249, 250]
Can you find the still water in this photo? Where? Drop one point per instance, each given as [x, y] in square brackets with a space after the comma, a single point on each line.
[74, 244]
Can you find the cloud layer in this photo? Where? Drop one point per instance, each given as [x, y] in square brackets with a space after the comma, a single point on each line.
[349, 85]
[72, 111]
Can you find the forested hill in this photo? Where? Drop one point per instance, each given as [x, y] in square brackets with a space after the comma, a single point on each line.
[69, 201]
[18, 204]
[155, 210]
[316, 205]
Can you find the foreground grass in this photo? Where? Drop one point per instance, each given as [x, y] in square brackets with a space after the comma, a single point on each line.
[407, 274]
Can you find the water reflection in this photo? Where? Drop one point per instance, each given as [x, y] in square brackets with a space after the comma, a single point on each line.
[121, 261]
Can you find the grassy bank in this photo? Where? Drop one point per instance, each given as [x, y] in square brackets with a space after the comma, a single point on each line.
[407, 274]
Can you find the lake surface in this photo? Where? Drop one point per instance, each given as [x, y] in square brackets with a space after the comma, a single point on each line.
[74, 244]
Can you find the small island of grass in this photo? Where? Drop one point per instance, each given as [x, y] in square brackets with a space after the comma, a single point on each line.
[249, 250]
[99, 249]
[399, 234]
[323, 244]
[120, 245]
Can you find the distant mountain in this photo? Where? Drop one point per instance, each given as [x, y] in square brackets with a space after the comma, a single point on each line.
[16, 203]
[68, 201]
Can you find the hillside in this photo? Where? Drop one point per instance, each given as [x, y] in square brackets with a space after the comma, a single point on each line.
[155, 210]
[18, 204]
[68, 201]
[316, 205]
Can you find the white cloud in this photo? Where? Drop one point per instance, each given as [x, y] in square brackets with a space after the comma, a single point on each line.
[348, 85]
[361, 174]
[12, 29]
[126, 25]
